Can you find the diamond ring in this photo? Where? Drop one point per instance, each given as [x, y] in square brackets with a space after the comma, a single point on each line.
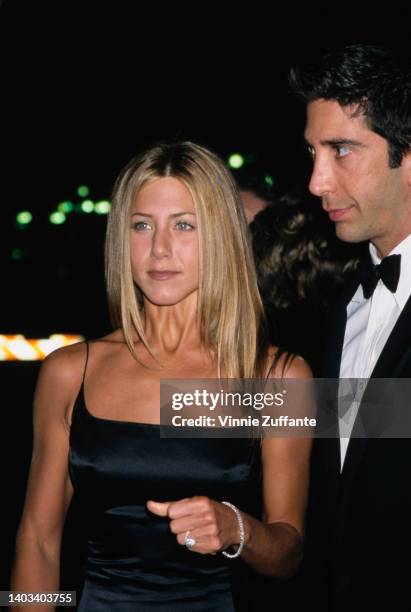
[189, 542]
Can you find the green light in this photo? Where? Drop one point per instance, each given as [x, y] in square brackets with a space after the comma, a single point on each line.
[57, 218]
[83, 191]
[87, 206]
[236, 161]
[269, 180]
[102, 207]
[24, 217]
[17, 254]
[65, 207]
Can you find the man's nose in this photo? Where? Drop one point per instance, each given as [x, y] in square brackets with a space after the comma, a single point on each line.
[322, 179]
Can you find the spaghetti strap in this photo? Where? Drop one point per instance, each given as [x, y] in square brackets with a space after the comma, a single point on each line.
[85, 366]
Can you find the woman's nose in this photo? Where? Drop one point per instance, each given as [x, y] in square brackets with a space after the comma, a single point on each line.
[161, 244]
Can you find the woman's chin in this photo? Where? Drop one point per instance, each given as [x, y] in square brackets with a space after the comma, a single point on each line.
[166, 300]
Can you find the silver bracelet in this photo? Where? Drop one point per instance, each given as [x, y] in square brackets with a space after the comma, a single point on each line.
[241, 528]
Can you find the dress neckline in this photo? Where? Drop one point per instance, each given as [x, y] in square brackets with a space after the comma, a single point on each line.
[82, 398]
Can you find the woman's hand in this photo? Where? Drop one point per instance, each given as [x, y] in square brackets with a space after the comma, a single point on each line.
[211, 524]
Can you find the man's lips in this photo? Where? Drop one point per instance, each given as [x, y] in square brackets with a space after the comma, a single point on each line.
[336, 214]
[162, 274]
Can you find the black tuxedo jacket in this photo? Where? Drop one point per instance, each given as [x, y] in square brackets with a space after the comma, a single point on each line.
[362, 517]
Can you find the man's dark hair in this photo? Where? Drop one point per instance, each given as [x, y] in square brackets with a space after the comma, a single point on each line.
[375, 82]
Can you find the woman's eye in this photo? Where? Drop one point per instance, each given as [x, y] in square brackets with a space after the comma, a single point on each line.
[140, 225]
[184, 225]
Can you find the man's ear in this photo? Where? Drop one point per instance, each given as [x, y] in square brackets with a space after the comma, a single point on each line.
[406, 163]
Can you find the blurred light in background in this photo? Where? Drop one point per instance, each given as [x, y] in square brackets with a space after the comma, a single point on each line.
[83, 191]
[17, 254]
[57, 218]
[24, 217]
[102, 207]
[236, 160]
[87, 206]
[269, 180]
[19, 348]
[65, 207]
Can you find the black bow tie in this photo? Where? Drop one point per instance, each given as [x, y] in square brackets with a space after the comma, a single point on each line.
[388, 271]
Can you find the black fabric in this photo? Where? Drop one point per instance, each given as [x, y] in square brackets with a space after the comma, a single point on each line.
[134, 561]
[362, 526]
[388, 271]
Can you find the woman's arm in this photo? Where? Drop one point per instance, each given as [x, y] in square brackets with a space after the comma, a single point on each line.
[273, 546]
[49, 491]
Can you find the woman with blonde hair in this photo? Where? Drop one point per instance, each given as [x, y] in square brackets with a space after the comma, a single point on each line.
[165, 516]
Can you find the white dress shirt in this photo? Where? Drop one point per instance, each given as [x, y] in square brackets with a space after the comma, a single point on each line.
[369, 325]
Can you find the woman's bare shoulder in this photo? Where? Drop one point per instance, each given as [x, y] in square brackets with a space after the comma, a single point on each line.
[114, 337]
[287, 365]
[68, 361]
[63, 365]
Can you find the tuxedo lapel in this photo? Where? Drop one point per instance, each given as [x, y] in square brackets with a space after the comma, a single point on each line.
[335, 332]
[394, 361]
[355, 451]
[328, 449]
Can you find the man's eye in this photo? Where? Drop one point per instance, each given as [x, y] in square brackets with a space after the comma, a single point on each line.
[342, 150]
[311, 152]
[184, 225]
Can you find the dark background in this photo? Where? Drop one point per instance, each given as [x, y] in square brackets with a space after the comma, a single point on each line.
[84, 87]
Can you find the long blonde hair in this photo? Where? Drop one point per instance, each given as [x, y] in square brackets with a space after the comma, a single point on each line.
[230, 312]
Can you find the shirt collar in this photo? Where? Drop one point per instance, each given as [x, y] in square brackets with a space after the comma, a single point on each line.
[404, 285]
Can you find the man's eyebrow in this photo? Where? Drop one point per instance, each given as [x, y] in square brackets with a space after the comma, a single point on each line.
[337, 142]
[143, 214]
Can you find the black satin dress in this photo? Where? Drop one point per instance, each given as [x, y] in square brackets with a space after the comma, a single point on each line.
[134, 561]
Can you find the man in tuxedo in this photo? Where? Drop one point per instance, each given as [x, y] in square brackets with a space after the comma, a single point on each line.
[358, 132]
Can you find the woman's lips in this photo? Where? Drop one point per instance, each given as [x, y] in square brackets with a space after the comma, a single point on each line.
[162, 275]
